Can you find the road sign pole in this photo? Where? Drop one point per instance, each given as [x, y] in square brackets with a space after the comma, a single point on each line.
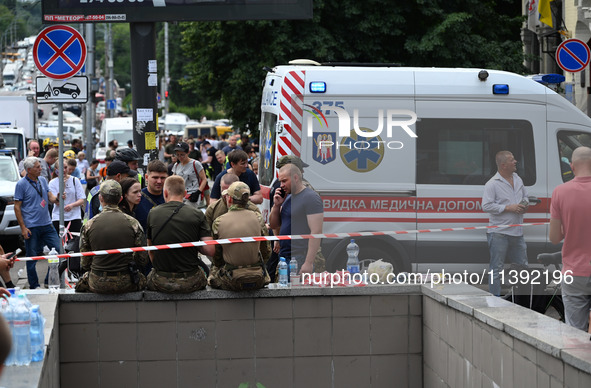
[60, 140]
[144, 102]
[90, 104]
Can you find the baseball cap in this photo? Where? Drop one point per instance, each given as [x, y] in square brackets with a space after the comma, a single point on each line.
[291, 159]
[119, 167]
[238, 191]
[110, 187]
[182, 146]
[70, 154]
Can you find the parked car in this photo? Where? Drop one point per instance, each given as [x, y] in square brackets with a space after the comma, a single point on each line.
[8, 178]
[69, 117]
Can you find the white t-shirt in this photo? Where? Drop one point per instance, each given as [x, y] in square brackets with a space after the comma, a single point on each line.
[83, 166]
[74, 191]
[187, 172]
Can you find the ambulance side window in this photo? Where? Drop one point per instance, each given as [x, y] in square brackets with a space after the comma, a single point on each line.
[462, 151]
[568, 141]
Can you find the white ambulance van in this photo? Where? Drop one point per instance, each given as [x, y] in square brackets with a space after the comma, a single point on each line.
[396, 149]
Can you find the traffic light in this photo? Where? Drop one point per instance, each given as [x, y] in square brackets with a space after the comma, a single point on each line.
[166, 94]
[96, 97]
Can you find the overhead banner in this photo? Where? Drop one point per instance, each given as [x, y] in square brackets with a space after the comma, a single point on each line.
[125, 11]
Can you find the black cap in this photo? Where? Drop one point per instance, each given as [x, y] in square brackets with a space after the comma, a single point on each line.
[182, 146]
[118, 167]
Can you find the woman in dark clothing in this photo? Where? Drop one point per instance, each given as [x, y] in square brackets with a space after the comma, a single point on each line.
[132, 195]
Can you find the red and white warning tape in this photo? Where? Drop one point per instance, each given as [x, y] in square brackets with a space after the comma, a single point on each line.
[269, 238]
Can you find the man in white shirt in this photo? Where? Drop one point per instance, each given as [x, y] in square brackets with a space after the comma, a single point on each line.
[505, 199]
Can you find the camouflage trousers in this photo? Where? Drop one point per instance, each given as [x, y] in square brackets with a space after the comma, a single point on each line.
[109, 284]
[231, 280]
[173, 283]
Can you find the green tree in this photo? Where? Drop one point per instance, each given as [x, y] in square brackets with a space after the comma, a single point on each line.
[227, 57]
[6, 17]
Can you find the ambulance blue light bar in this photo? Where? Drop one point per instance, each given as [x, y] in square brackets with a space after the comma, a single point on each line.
[317, 87]
[549, 78]
[501, 89]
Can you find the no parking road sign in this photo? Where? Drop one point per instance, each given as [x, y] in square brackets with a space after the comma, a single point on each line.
[573, 55]
[59, 52]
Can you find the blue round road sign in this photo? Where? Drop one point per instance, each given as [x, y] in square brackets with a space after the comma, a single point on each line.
[59, 52]
[573, 55]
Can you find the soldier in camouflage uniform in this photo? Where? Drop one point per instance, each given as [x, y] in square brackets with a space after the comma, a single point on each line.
[114, 273]
[241, 265]
[177, 270]
[220, 208]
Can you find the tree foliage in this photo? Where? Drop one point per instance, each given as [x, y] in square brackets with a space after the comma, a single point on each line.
[226, 58]
[27, 16]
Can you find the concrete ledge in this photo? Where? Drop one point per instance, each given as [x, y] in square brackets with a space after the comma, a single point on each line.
[209, 293]
[565, 343]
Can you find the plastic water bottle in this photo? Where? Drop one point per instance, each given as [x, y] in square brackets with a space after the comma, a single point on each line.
[22, 332]
[293, 269]
[53, 281]
[283, 280]
[8, 312]
[293, 272]
[37, 334]
[353, 257]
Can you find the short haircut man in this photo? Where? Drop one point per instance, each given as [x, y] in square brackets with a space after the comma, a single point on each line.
[570, 212]
[175, 185]
[239, 165]
[299, 212]
[505, 199]
[31, 199]
[156, 166]
[152, 194]
[180, 270]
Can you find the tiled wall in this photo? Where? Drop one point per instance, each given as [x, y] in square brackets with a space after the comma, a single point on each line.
[464, 349]
[364, 341]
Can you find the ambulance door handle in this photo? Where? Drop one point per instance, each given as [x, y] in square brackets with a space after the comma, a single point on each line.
[533, 199]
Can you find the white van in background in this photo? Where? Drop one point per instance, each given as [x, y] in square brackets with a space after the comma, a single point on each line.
[393, 181]
[116, 128]
[15, 140]
[175, 123]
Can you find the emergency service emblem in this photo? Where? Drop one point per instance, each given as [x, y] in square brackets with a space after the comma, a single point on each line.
[360, 153]
[324, 147]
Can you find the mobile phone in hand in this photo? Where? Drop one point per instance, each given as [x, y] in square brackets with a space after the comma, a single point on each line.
[281, 192]
[18, 251]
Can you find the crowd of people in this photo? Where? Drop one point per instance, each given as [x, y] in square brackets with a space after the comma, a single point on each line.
[125, 209]
[121, 208]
